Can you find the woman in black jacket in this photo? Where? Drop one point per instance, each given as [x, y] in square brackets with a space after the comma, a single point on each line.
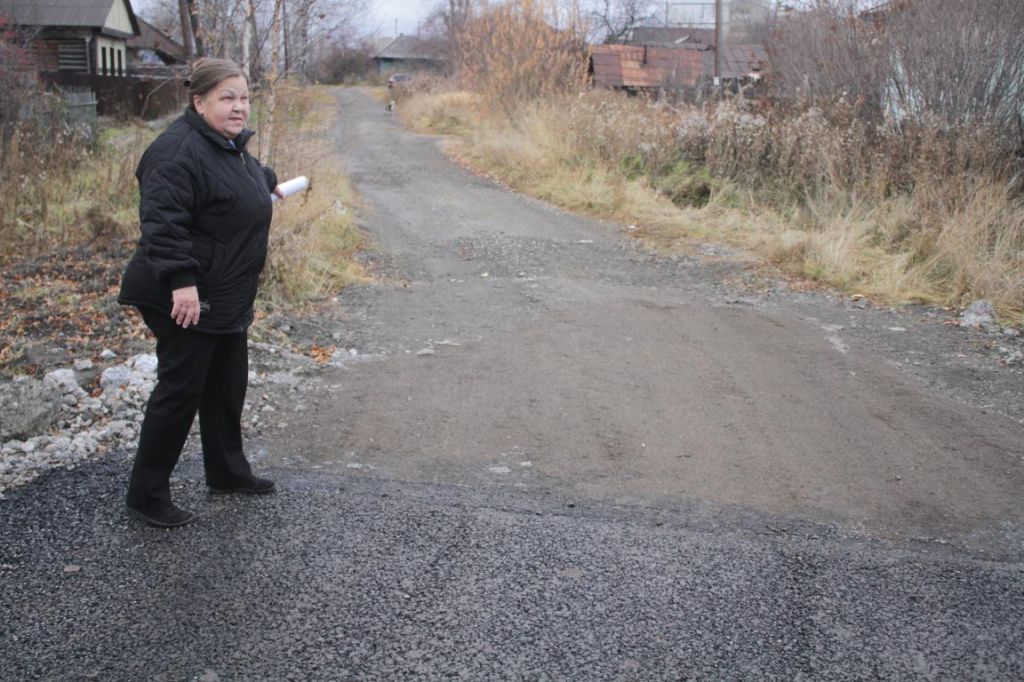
[205, 213]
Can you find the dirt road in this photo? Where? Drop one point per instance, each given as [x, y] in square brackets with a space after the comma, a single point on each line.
[511, 344]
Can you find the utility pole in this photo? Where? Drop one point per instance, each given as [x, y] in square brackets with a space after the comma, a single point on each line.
[718, 42]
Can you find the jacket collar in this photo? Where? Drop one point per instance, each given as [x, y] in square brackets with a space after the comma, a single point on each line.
[200, 125]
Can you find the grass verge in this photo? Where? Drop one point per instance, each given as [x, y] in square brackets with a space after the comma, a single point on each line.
[315, 236]
[805, 191]
[69, 235]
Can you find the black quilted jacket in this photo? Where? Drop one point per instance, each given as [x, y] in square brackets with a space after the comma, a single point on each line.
[205, 217]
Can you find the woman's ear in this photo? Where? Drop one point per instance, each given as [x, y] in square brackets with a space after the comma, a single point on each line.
[197, 104]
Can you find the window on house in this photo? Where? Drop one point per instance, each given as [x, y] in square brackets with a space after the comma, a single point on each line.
[103, 61]
[120, 63]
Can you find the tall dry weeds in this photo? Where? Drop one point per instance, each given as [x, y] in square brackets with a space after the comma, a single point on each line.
[921, 211]
[314, 236]
[64, 189]
[69, 192]
[511, 53]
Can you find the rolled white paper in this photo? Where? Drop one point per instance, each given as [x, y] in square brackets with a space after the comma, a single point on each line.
[291, 187]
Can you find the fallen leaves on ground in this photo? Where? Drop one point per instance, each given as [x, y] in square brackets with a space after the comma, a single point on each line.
[64, 303]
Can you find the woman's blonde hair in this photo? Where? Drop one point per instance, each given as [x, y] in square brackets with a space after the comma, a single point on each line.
[207, 74]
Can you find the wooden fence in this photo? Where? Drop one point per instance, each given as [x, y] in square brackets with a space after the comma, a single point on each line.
[126, 96]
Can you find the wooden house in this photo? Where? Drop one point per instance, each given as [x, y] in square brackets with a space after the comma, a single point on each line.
[406, 54]
[76, 36]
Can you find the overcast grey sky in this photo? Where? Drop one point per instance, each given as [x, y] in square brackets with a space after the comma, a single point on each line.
[407, 12]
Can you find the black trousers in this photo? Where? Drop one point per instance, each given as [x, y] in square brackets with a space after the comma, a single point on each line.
[207, 373]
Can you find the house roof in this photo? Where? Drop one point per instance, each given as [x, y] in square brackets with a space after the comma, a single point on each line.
[152, 38]
[411, 47]
[65, 13]
[638, 66]
[658, 36]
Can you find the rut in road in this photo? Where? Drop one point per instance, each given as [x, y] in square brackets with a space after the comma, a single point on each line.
[521, 346]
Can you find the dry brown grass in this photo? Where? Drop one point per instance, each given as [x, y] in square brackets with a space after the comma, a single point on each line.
[434, 107]
[70, 194]
[62, 192]
[910, 213]
[314, 237]
[58, 283]
[510, 53]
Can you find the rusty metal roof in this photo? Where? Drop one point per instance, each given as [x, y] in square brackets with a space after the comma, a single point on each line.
[638, 66]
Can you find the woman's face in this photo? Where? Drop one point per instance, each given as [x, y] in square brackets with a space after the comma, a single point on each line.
[226, 107]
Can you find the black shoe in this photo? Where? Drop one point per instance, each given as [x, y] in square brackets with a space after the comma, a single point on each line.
[163, 516]
[253, 486]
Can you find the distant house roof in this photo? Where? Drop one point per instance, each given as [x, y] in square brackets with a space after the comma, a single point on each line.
[152, 38]
[657, 36]
[94, 14]
[411, 48]
[637, 66]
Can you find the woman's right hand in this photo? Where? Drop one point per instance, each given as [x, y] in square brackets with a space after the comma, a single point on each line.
[185, 309]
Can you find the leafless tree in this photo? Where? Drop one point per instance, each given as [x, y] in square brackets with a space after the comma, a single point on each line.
[248, 37]
[612, 20]
[185, 27]
[196, 25]
[242, 29]
[827, 51]
[271, 96]
[962, 60]
[959, 60]
[447, 24]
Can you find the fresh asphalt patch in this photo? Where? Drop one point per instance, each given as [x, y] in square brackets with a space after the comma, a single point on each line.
[336, 577]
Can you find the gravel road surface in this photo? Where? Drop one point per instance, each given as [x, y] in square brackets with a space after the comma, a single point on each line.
[510, 333]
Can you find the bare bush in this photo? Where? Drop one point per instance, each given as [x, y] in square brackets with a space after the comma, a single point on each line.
[343, 63]
[960, 60]
[917, 211]
[511, 54]
[447, 22]
[828, 52]
[954, 62]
